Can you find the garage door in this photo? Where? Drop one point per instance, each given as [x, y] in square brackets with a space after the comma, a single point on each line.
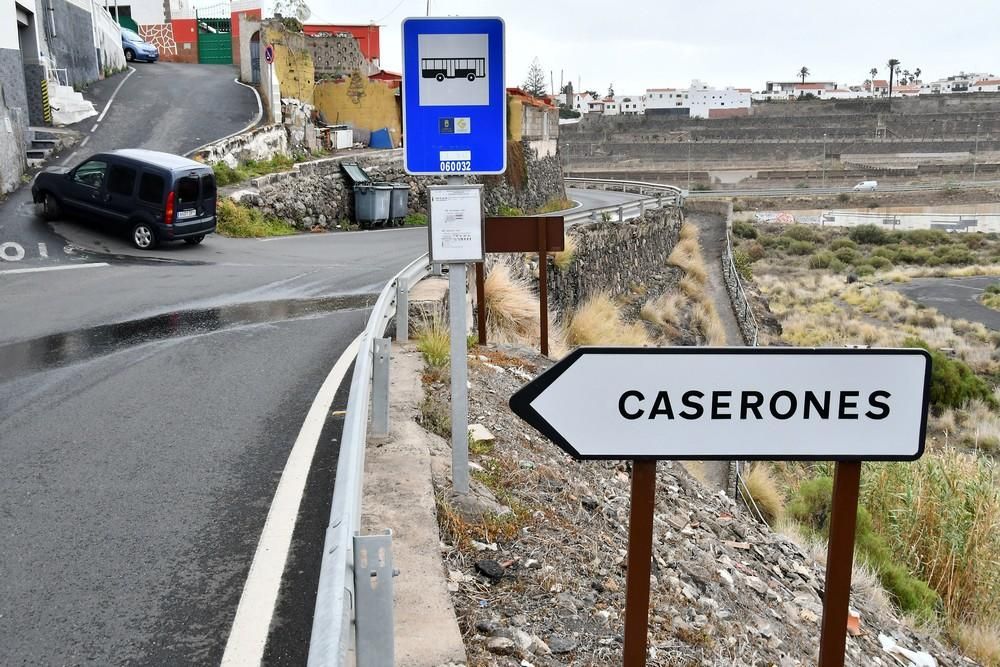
[215, 43]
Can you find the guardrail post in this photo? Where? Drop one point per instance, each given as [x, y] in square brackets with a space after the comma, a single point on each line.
[642, 208]
[380, 387]
[402, 311]
[593, 216]
[621, 214]
[659, 201]
[373, 574]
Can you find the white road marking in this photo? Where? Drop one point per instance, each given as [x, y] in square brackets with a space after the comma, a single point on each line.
[84, 142]
[131, 71]
[43, 250]
[94, 129]
[248, 636]
[11, 245]
[61, 267]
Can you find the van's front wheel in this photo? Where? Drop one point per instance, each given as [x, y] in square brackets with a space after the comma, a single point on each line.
[143, 236]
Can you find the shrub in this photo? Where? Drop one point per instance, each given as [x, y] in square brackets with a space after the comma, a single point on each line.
[889, 252]
[598, 322]
[842, 242]
[925, 237]
[864, 269]
[843, 197]
[564, 259]
[801, 233]
[745, 230]
[415, 220]
[801, 247]
[822, 260]
[434, 341]
[756, 251]
[953, 384]
[510, 211]
[764, 492]
[869, 234]
[878, 262]
[955, 254]
[848, 255]
[873, 204]
[743, 264]
[771, 241]
[512, 309]
[911, 255]
[242, 222]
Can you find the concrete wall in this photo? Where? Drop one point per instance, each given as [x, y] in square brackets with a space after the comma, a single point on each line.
[361, 103]
[71, 46]
[109, 41]
[613, 257]
[13, 116]
[246, 27]
[531, 180]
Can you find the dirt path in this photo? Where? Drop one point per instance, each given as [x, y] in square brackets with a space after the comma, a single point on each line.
[712, 234]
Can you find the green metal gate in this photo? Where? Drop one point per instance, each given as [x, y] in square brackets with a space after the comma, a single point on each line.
[215, 41]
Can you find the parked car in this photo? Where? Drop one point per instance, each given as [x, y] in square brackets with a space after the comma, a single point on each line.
[156, 197]
[866, 186]
[136, 48]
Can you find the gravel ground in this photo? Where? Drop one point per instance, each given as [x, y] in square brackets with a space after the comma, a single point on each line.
[541, 582]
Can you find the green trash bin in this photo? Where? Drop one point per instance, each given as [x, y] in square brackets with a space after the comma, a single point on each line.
[371, 204]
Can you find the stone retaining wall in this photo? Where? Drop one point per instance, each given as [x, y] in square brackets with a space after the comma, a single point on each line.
[262, 143]
[317, 194]
[613, 257]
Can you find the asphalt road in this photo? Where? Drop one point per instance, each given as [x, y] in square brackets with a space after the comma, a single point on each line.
[161, 106]
[954, 297]
[147, 409]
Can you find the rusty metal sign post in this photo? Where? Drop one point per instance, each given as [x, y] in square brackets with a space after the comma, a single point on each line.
[543, 234]
[778, 404]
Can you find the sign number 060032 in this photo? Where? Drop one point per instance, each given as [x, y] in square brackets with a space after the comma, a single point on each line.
[456, 165]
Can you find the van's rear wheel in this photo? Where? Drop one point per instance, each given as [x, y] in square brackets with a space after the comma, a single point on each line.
[50, 207]
[195, 240]
[143, 236]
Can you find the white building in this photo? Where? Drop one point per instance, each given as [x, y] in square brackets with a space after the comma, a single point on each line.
[610, 106]
[958, 83]
[581, 102]
[698, 101]
[985, 86]
[631, 105]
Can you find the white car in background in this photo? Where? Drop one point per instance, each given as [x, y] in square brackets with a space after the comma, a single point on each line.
[866, 186]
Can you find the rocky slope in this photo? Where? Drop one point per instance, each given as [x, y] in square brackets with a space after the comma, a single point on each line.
[541, 580]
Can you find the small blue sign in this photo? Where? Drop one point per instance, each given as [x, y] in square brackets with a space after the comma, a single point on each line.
[454, 100]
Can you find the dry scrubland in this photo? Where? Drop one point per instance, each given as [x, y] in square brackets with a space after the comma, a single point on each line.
[929, 531]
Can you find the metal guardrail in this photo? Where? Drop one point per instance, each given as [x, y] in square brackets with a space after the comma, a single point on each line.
[664, 196]
[741, 304]
[336, 629]
[792, 192]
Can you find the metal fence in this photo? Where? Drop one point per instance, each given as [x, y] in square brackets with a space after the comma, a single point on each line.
[659, 196]
[342, 624]
[738, 296]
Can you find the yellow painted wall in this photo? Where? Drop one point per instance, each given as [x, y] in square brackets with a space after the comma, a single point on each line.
[515, 118]
[293, 63]
[377, 108]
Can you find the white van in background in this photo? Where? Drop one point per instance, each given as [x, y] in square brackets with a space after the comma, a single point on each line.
[866, 186]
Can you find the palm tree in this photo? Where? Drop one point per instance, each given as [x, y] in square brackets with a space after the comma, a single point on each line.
[804, 72]
[916, 73]
[893, 65]
[874, 72]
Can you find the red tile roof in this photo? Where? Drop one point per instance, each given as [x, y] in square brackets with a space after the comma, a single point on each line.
[987, 82]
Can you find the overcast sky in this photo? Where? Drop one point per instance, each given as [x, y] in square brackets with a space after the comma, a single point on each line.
[641, 44]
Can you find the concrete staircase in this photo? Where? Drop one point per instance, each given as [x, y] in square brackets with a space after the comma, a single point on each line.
[68, 106]
[43, 141]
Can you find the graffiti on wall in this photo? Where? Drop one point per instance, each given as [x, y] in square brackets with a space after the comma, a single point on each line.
[161, 35]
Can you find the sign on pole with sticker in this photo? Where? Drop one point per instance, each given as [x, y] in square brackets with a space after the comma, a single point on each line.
[454, 100]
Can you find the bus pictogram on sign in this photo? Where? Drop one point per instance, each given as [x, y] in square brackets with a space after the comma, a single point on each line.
[453, 68]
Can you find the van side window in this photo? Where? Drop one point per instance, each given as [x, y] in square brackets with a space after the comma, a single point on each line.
[151, 188]
[91, 173]
[121, 180]
[187, 190]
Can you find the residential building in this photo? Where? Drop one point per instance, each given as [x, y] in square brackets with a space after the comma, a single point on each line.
[667, 102]
[958, 83]
[699, 100]
[631, 105]
[595, 106]
[985, 86]
[581, 102]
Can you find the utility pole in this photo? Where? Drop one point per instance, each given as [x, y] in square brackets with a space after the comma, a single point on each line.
[689, 163]
[428, 7]
[975, 152]
[824, 159]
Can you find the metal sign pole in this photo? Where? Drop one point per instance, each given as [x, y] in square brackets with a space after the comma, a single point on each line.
[481, 301]
[459, 379]
[640, 557]
[839, 563]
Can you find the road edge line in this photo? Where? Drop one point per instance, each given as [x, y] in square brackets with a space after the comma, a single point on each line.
[252, 623]
[60, 267]
[253, 124]
[131, 71]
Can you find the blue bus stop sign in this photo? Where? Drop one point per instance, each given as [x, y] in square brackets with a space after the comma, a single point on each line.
[454, 100]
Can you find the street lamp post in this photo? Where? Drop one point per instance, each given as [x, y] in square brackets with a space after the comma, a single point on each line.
[975, 152]
[824, 159]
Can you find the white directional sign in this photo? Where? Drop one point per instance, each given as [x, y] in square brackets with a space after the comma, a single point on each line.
[733, 403]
